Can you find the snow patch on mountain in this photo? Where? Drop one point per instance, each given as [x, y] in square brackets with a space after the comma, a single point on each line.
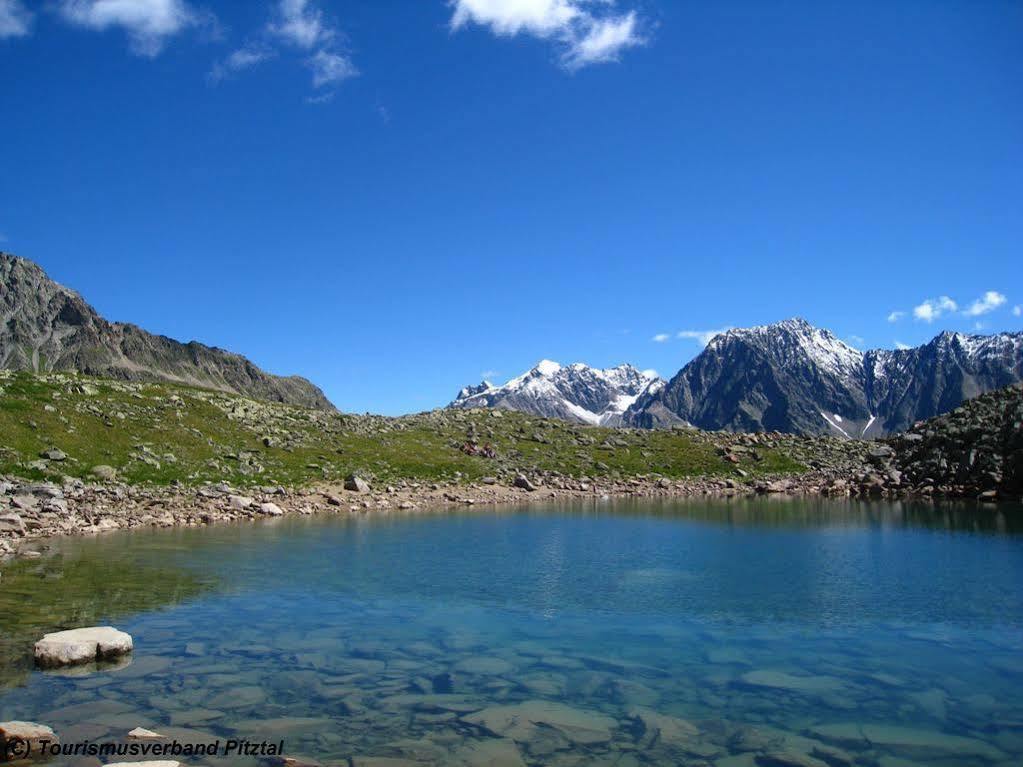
[575, 392]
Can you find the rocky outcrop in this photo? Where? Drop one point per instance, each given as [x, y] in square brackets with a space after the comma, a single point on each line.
[976, 450]
[47, 327]
[793, 377]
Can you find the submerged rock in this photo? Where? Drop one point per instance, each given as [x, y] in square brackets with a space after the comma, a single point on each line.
[85, 645]
[779, 680]
[523, 722]
[490, 753]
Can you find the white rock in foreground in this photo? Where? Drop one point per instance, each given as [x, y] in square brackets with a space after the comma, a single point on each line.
[68, 648]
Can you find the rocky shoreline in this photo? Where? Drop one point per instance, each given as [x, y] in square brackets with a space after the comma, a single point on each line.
[974, 452]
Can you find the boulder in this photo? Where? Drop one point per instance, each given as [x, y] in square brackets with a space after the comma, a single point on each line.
[270, 509]
[85, 645]
[53, 454]
[523, 482]
[104, 472]
[19, 740]
[12, 523]
[356, 484]
[240, 502]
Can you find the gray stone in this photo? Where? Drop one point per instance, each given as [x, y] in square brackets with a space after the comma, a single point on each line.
[12, 523]
[104, 472]
[85, 645]
[15, 736]
[356, 484]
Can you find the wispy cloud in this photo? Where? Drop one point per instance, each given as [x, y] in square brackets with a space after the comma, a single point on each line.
[15, 19]
[330, 68]
[487, 375]
[902, 346]
[300, 23]
[585, 31]
[856, 341]
[240, 60]
[148, 23]
[933, 308]
[660, 338]
[990, 301]
[1017, 310]
[702, 337]
[896, 316]
[320, 98]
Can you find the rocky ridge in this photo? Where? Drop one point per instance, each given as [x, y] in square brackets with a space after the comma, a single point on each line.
[794, 377]
[47, 327]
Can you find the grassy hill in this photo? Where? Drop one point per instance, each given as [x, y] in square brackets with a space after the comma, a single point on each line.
[56, 425]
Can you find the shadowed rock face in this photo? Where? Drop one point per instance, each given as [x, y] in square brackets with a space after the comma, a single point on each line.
[793, 377]
[46, 327]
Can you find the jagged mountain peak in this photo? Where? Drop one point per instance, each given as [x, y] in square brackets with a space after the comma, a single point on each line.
[792, 376]
[575, 392]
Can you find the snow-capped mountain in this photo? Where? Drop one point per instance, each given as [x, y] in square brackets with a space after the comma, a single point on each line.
[571, 392]
[794, 377]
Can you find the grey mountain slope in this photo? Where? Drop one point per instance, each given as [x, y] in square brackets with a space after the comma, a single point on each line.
[793, 377]
[45, 326]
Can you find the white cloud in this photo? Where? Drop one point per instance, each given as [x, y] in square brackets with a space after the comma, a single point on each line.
[242, 59]
[651, 373]
[301, 24]
[902, 346]
[931, 309]
[487, 375]
[896, 316]
[660, 338]
[15, 20]
[329, 68]
[857, 342]
[703, 337]
[604, 41]
[148, 22]
[990, 301]
[1017, 310]
[586, 31]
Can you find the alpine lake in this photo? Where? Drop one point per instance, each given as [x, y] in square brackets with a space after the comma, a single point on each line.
[616, 632]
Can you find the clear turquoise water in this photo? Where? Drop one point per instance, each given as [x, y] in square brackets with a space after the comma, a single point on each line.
[721, 633]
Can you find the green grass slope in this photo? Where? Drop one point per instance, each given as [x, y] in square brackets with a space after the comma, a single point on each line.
[161, 434]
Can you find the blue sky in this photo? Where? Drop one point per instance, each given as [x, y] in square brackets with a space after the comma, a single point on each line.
[394, 197]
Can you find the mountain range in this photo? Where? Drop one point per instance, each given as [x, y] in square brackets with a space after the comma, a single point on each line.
[789, 376]
[47, 327]
[574, 392]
